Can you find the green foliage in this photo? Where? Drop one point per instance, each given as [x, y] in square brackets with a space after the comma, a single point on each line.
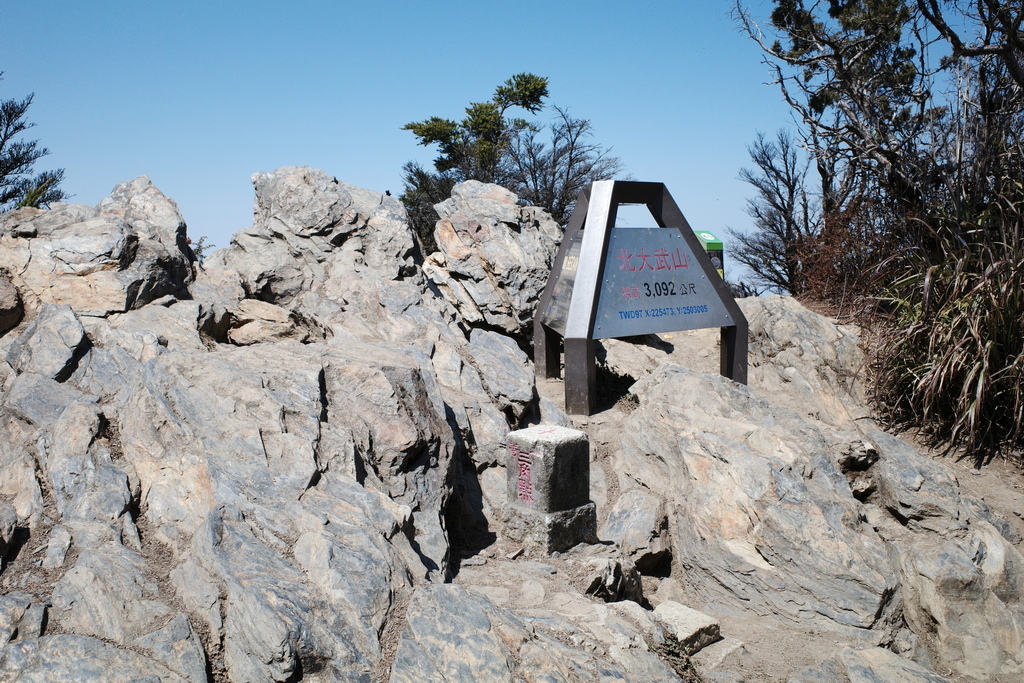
[41, 190]
[920, 158]
[475, 147]
[547, 166]
[423, 189]
[951, 358]
[201, 248]
[19, 184]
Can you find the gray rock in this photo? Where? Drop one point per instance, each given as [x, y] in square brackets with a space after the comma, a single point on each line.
[917, 491]
[275, 625]
[8, 523]
[805, 361]
[41, 400]
[963, 596]
[19, 481]
[151, 330]
[874, 665]
[313, 233]
[20, 618]
[230, 426]
[79, 659]
[57, 547]
[759, 515]
[52, 344]
[98, 261]
[106, 594]
[163, 255]
[495, 256]
[178, 647]
[394, 409]
[106, 373]
[247, 433]
[693, 630]
[452, 635]
[638, 524]
[505, 370]
[65, 454]
[256, 321]
[613, 580]
[11, 309]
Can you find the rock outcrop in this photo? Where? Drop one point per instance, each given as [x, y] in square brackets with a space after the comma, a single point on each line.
[494, 256]
[287, 464]
[128, 251]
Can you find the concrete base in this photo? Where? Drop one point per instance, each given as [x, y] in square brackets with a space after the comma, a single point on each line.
[551, 532]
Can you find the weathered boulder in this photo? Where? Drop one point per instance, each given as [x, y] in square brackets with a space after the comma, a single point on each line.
[163, 254]
[805, 361]
[18, 477]
[314, 233]
[113, 258]
[613, 580]
[757, 506]
[693, 630]
[452, 635]
[51, 345]
[638, 524]
[873, 665]
[20, 618]
[11, 309]
[68, 657]
[495, 256]
[256, 321]
[962, 582]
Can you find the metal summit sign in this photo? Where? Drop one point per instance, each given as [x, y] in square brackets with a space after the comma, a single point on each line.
[610, 282]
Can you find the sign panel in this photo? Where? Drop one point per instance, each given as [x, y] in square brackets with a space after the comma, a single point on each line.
[557, 310]
[652, 284]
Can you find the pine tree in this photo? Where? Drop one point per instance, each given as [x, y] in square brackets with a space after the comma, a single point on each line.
[20, 185]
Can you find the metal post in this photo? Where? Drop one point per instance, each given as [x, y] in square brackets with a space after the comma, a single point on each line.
[734, 352]
[546, 351]
[580, 376]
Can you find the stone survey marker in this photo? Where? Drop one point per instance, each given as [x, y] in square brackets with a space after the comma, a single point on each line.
[548, 470]
[610, 282]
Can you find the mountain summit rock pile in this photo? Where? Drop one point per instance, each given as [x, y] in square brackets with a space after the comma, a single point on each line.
[288, 464]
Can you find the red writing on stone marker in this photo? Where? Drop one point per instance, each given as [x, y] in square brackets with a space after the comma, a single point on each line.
[524, 484]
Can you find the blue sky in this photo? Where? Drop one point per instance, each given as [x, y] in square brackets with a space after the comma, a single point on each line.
[201, 95]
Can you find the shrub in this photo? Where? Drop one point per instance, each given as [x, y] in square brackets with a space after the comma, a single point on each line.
[950, 358]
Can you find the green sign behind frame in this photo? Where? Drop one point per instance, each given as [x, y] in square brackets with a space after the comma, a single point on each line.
[618, 282]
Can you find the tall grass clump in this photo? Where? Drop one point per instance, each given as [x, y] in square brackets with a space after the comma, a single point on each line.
[950, 353]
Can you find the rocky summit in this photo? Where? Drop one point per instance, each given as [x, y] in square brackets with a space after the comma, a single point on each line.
[288, 463]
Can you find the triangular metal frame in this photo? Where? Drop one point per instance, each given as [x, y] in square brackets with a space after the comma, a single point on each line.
[594, 215]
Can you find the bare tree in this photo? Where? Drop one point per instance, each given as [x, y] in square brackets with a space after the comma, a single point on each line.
[996, 28]
[552, 173]
[785, 215]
